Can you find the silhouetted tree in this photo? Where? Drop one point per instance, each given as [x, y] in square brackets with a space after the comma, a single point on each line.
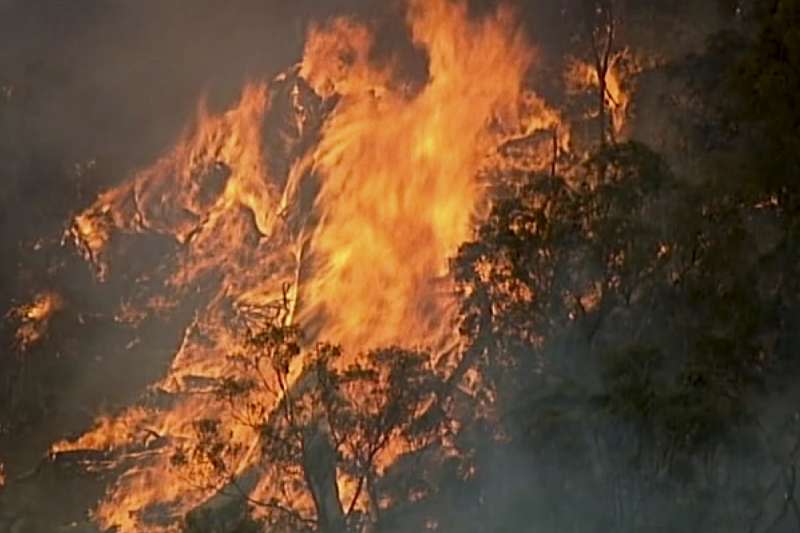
[336, 417]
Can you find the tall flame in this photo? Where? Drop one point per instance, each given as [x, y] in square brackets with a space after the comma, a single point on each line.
[351, 216]
[399, 190]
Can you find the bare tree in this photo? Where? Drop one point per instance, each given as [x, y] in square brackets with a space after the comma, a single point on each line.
[603, 33]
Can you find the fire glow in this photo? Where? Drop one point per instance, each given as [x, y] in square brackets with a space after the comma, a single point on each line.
[376, 187]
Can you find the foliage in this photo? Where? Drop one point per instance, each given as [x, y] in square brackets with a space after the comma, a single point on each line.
[626, 321]
[630, 330]
[337, 415]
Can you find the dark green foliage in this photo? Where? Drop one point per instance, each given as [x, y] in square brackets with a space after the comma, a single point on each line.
[628, 326]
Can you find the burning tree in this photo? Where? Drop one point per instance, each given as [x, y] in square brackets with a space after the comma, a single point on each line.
[325, 428]
[618, 322]
[290, 187]
[616, 315]
[603, 35]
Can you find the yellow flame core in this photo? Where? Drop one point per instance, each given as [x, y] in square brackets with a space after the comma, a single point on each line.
[398, 190]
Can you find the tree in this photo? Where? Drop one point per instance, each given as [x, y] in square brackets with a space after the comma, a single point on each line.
[767, 80]
[339, 419]
[603, 35]
[626, 323]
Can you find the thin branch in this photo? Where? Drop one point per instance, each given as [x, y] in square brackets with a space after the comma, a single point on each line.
[270, 505]
[353, 502]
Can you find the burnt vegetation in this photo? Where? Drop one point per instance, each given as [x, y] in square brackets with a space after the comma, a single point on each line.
[628, 325]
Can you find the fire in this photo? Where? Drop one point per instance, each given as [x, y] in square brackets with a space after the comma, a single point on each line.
[214, 196]
[348, 214]
[399, 190]
[581, 77]
[109, 433]
[34, 318]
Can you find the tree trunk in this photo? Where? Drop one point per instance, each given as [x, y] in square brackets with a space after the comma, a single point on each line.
[602, 105]
[319, 468]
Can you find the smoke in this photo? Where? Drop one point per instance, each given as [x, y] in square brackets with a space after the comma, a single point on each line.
[96, 90]
[90, 92]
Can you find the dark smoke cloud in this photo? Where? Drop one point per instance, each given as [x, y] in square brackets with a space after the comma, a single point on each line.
[121, 77]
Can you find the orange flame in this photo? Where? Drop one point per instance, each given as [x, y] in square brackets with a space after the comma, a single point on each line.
[582, 77]
[34, 318]
[364, 264]
[399, 189]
